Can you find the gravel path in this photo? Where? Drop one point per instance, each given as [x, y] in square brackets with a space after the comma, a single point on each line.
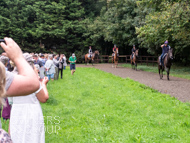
[177, 87]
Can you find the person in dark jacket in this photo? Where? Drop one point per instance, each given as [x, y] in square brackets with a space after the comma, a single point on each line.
[61, 61]
[165, 48]
[133, 51]
[37, 61]
[56, 63]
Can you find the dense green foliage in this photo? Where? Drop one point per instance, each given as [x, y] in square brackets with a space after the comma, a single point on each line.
[72, 25]
[87, 108]
[172, 23]
[56, 24]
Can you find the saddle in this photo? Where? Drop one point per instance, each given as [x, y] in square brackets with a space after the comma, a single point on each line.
[113, 54]
[162, 58]
[89, 55]
[132, 56]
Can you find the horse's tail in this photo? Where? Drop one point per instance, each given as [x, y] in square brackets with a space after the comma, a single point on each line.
[83, 58]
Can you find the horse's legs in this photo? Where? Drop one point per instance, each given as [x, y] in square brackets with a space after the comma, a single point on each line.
[85, 60]
[131, 61]
[115, 64]
[92, 61]
[136, 66]
[162, 70]
[168, 72]
[159, 71]
[131, 64]
[112, 61]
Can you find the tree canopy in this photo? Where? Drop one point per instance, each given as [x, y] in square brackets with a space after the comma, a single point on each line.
[74, 25]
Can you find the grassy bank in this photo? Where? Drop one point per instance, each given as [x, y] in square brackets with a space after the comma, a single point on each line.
[94, 106]
[177, 71]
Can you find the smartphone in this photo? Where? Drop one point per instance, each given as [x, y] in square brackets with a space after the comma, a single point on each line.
[1, 49]
[2, 40]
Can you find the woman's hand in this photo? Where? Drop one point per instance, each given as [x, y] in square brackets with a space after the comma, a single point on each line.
[45, 80]
[12, 50]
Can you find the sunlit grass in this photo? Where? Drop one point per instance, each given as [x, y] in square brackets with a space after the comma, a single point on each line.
[94, 106]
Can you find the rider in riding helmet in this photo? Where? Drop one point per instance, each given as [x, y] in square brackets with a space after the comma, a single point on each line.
[165, 48]
[90, 51]
[114, 49]
[133, 51]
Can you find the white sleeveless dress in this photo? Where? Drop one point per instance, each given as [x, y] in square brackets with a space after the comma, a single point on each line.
[26, 121]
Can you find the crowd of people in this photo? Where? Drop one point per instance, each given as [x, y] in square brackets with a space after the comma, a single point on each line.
[23, 83]
[49, 64]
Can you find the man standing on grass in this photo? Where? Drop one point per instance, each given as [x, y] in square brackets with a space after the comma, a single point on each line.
[72, 61]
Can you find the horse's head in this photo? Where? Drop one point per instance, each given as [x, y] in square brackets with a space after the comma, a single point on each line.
[170, 54]
[137, 52]
[96, 52]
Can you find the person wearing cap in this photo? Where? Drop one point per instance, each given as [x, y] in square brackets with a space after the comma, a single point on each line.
[90, 51]
[72, 61]
[133, 51]
[165, 48]
[114, 49]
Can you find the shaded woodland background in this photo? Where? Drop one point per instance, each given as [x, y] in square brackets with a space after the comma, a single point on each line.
[67, 26]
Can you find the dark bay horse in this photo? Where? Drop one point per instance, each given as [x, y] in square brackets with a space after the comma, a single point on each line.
[115, 58]
[167, 64]
[134, 60]
[88, 58]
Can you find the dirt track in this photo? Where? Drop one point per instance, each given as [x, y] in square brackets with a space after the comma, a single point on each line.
[177, 87]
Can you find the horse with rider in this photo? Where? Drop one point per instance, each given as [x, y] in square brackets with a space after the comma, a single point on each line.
[91, 55]
[134, 57]
[115, 56]
[165, 60]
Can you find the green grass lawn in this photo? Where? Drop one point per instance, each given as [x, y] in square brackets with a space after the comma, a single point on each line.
[177, 71]
[94, 106]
